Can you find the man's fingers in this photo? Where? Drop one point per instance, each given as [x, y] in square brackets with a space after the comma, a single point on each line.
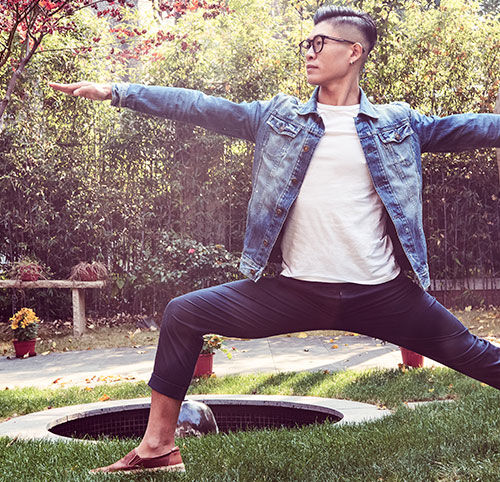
[82, 92]
[87, 90]
[67, 88]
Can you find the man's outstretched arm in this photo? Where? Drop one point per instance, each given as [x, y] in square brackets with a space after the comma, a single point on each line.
[88, 90]
[457, 132]
[214, 113]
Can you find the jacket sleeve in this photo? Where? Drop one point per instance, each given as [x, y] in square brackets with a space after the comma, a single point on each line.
[214, 113]
[457, 132]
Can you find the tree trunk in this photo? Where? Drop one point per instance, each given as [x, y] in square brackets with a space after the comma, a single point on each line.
[497, 111]
[13, 80]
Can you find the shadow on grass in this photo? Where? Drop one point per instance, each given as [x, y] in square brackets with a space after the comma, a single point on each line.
[384, 387]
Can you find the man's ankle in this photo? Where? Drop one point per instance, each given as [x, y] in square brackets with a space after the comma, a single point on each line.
[148, 449]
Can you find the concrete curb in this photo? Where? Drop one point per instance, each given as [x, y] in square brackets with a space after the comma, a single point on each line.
[35, 426]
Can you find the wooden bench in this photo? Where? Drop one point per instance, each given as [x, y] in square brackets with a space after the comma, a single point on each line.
[77, 290]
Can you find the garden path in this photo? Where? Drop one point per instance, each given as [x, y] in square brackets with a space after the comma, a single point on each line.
[270, 355]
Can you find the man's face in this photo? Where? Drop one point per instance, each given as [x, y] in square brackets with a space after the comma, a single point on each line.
[332, 64]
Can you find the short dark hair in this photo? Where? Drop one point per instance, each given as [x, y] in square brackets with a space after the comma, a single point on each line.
[347, 16]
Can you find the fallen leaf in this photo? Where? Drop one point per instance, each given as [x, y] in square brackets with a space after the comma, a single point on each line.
[335, 346]
[12, 441]
[57, 380]
[45, 353]
[104, 398]
[302, 335]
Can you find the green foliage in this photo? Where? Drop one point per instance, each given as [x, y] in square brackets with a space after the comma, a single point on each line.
[440, 60]
[170, 265]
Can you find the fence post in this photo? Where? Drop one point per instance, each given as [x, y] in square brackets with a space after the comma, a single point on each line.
[79, 322]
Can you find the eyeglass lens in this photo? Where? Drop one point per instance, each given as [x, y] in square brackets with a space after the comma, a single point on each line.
[317, 44]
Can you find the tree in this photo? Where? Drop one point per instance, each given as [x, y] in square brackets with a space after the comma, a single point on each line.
[25, 23]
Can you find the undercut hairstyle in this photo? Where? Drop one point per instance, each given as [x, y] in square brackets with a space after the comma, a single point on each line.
[349, 17]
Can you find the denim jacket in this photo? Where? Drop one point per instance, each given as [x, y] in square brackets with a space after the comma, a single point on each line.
[286, 133]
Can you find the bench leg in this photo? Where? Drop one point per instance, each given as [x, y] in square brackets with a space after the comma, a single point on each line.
[79, 321]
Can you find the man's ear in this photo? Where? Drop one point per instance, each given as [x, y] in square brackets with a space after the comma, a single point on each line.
[357, 53]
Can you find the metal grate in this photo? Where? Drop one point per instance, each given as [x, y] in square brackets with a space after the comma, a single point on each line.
[229, 417]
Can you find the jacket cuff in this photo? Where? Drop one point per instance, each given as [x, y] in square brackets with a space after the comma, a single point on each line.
[118, 94]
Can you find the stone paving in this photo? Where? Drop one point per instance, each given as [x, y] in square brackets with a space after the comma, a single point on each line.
[271, 355]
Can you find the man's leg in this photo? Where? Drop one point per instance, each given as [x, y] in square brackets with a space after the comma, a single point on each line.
[402, 313]
[159, 436]
[242, 309]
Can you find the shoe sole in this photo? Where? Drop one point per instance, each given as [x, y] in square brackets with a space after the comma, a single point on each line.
[166, 468]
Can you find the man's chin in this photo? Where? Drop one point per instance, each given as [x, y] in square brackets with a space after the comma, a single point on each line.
[311, 81]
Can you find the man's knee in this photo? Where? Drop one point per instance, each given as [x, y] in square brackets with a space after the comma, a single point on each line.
[175, 313]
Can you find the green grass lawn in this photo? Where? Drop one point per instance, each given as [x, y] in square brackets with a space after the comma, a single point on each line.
[436, 442]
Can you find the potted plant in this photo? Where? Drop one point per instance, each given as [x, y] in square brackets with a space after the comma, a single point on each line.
[204, 365]
[411, 359]
[84, 271]
[24, 325]
[27, 269]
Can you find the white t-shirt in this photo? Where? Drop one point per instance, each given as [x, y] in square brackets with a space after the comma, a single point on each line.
[336, 229]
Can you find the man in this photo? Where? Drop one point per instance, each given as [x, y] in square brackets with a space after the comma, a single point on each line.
[336, 187]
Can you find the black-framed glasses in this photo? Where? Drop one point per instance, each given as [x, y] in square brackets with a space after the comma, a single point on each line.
[318, 41]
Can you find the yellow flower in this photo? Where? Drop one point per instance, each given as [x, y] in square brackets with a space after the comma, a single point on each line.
[23, 318]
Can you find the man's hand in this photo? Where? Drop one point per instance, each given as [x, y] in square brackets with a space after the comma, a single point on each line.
[88, 90]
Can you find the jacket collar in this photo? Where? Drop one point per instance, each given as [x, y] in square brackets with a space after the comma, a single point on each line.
[365, 106]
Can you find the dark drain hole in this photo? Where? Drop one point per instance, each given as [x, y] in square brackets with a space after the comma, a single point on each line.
[128, 423]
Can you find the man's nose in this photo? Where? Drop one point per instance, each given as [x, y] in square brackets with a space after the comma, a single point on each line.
[310, 54]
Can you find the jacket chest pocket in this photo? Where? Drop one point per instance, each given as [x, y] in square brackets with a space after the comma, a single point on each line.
[397, 144]
[279, 137]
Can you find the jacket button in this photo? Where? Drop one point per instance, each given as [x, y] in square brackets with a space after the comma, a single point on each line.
[294, 180]
[397, 137]
[252, 272]
[282, 128]
[279, 211]
[265, 242]
[306, 148]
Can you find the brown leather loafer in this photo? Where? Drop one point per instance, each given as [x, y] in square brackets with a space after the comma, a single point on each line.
[171, 461]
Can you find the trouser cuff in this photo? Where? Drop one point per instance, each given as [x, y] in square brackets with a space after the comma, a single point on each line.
[167, 388]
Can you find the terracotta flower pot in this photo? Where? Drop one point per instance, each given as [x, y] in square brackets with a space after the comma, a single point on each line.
[204, 365]
[24, 347]
[28, 275]
[411, 359]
